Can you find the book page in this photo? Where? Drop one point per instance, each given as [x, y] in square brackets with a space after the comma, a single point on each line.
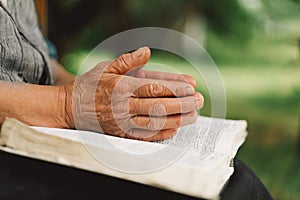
[209, 141]
[204, 135]
[201, 137]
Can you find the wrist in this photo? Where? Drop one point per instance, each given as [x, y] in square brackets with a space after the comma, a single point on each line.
[36, 105]
[66, 110]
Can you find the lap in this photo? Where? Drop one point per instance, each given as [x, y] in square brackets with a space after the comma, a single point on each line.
[244, 184]
[24, 178]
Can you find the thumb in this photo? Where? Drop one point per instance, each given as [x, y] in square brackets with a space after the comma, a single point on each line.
[129, 61]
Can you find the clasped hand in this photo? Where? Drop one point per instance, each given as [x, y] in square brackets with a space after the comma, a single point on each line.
[121, 99]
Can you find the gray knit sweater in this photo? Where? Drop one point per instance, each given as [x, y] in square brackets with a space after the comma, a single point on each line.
[23, 51]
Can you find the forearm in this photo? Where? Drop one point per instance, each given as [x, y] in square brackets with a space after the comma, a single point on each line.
[60, 75]
[33, 104]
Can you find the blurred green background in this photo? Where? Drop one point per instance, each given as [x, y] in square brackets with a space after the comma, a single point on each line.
[254, 43]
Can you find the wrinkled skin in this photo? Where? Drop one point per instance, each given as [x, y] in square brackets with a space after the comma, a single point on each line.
[127, 101]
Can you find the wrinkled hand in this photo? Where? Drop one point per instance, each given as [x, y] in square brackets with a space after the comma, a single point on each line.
[129, 102]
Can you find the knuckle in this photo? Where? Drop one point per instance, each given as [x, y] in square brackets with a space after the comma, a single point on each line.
[156, 89]
[121, 62]
[133, 105]
[178, 122]
[180, 88]
[155, 124]
[158, 109]
[135, 122]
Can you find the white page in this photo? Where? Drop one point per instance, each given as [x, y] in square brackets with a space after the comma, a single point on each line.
[203, 136]
[4, 2]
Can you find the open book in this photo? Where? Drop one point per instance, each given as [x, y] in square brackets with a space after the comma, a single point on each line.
[197, 161]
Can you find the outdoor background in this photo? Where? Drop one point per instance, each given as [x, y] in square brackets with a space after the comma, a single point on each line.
[254, 43]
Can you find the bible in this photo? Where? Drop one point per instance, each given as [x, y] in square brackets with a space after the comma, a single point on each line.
[197, 161]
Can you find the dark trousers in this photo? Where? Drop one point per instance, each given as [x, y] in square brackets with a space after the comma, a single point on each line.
[24, 178]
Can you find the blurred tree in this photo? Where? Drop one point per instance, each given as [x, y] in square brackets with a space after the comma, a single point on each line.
[297, 98]
[299, 48]
[278, 9]
[80, 23]
[70, 18]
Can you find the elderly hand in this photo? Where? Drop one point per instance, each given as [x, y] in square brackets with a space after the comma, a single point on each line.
[129, 102]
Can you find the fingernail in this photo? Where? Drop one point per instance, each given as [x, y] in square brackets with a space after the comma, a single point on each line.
[138, 53]
[190, 90]
[199, 101]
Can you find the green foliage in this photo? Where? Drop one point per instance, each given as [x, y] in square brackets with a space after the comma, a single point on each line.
[296, 95]
[230, 18]
[278, 9]
[78, 24]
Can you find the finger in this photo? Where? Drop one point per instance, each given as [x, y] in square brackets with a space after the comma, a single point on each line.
[129, 61]
[145, 135]
[166, 106]
[161, 88]
[161, 123]
[165, 76]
